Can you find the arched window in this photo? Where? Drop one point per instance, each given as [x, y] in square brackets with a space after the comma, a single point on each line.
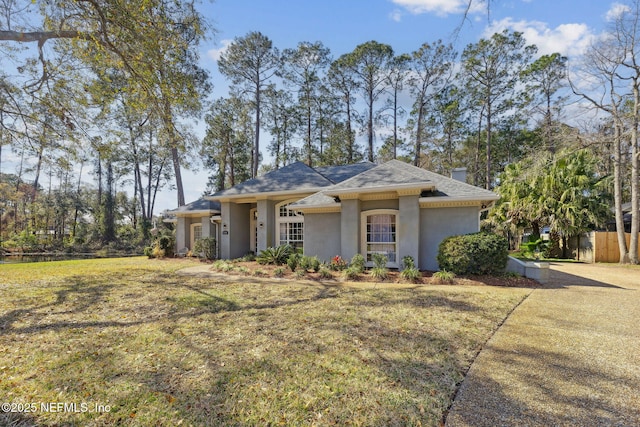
[379, 235]
[290, 225]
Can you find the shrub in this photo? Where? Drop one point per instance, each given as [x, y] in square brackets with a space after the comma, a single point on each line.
[219, 265]
[166, 244]
[358, 262]
[156, 252]
[444, 277]
[300, 273]
[278, 272]
[293, 261]
[534, 249]
[337, 263]
[249, 257]
[278, 255]
[411, 274]
[477, 253]
[205, 248]
[351, 273]
[227, 267]
[305, 263]
[379, 260]
[325, 273]
[407, 262]
[379, 273]
[315, 264]
[148, 251]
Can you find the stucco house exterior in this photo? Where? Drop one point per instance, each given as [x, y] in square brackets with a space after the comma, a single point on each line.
[392, 208]
[194, 221]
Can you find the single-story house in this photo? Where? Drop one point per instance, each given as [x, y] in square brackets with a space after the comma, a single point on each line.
[393, 208]
[194, 221]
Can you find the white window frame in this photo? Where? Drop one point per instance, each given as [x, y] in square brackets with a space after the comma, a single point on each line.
[363, 235]
[193, 234]
[292, 217]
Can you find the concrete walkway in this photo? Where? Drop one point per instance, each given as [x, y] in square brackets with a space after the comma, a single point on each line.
[569, 355]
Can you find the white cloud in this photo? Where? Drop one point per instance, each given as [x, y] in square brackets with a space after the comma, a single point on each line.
[441, 7]
[617, 9]
[216, 53]
[396, 15]
[568, 39]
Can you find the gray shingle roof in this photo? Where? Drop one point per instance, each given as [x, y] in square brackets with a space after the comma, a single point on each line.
[198, 205]
[338, 174]
[296, 176]
[453, 188]
[393, 173]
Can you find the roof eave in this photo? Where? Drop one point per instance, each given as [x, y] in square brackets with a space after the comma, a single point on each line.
[400, 188]
[265, 195]
[483, 202]
[198, 212]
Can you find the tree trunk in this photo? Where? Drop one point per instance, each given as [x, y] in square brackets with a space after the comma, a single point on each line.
[109, 208]
[175, 155]
[75, 213]
[418, 148]
[38, 169]
[488, 176]
[176, 170]
[309, 143]
[137, 175]
[370, 128]
[256, 149]
[395, 123]
[617, 192]
[350, 132]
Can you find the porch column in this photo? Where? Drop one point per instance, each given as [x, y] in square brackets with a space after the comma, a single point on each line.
[266, 224]
[234, 241]
[350, 228]
[408, 228]
[182, 233]
[207, 227]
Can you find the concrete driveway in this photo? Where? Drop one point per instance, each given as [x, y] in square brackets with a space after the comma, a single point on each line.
[569, 355]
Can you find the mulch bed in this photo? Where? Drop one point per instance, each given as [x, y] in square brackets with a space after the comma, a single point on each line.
[269, 271]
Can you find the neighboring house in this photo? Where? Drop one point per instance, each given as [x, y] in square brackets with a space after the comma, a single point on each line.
[194, 221]
[394, 208]
[626, 218]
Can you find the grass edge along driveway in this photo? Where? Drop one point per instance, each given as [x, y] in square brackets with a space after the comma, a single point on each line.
[158, 348]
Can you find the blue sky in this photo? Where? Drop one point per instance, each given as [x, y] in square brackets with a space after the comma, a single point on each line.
[565, 26]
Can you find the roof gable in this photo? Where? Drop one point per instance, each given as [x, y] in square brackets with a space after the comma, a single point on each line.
[397, 174]
[338, 174]
[296, 176]
[198, 206]
[393, 172]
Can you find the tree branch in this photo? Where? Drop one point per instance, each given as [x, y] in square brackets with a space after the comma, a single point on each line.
[41, 36]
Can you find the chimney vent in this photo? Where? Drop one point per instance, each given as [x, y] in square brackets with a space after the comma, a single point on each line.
[459, 174]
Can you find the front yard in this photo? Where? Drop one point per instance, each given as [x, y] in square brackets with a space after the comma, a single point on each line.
[133, 342]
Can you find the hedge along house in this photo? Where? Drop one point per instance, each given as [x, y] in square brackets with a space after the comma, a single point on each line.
[394, 208]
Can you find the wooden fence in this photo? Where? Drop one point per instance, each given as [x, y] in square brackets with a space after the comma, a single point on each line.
[601, 246]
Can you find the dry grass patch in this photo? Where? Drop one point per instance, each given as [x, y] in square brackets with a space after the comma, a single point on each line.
[161, 348]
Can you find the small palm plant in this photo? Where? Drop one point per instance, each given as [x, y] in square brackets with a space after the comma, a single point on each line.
[409, 272]
[380, 271]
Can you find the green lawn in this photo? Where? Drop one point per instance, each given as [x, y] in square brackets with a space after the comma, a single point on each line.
[155, 347]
